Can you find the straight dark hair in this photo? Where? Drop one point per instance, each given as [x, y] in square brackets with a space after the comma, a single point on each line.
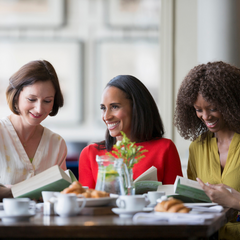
[146, 121]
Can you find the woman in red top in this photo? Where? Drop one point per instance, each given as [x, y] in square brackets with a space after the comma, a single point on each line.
[128, 106]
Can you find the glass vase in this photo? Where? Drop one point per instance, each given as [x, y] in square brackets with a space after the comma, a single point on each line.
[129, 185]
[110, 175]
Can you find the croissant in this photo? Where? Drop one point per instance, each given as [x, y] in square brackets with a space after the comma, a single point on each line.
[171, 205]
[77, 188]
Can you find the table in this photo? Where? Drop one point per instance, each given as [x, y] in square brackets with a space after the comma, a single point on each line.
[108, 227]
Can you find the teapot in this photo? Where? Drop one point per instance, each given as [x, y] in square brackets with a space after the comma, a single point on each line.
[67, 204]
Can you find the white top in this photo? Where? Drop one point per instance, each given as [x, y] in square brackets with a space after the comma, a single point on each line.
[15, 165]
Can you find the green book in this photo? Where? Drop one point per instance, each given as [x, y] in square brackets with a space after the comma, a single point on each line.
[191, 189]
[147, 181]
[52, 179]
[145, 186]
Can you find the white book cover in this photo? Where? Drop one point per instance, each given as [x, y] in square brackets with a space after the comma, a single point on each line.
[167, 188]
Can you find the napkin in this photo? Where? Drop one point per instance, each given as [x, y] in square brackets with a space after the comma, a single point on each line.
[182, 218]
[216, 209]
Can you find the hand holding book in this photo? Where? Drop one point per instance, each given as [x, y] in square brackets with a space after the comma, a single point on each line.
[221, 194]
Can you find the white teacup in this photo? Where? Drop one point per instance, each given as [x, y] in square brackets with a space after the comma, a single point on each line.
[47, 195]
[17, 206]
[132, 202]
[154, 195]
[68, 205]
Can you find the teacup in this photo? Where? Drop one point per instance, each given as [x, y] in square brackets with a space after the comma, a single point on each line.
[67, 205]
[17, 206]
[47, 195]
[132, 202]
[154, 195]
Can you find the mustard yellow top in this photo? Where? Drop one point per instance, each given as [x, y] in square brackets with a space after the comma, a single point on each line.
[204, 162]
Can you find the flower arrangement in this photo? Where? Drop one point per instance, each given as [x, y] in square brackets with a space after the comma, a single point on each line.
[128, 151]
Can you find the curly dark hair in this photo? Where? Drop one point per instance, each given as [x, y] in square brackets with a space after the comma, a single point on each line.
[146, 121]
[219, 84]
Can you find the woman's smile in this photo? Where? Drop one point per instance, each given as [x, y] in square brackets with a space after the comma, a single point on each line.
[111, 126]
[116, 112]
[212, 124]
[211, 117]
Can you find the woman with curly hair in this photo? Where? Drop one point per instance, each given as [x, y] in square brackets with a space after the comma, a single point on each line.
[207, 112]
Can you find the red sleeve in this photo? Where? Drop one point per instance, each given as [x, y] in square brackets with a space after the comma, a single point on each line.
[85, 168]
[172, 165]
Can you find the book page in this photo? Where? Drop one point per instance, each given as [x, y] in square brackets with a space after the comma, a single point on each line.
[190, 183]
[150, 174]
[71, 175]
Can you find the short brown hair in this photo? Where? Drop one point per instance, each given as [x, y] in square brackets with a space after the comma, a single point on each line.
[30, 73]
[219, 84]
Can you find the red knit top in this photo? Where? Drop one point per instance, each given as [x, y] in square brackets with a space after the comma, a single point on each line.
[162, 154]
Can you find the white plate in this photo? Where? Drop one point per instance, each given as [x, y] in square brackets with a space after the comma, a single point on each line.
[127, 213]
[96, 202]
[15, 218]
[191, 205]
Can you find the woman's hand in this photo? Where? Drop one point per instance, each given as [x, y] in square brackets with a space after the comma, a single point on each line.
[234, 192]
[5, 192]
[220, 194]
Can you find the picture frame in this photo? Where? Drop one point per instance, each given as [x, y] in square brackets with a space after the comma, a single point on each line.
[135, 56]
[32, 13]
[66, 56]
[134, 14]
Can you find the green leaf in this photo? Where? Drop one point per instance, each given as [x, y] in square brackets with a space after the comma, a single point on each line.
[128, 151]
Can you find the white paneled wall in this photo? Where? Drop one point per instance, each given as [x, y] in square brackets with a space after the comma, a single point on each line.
[95, 33]
[93, 41]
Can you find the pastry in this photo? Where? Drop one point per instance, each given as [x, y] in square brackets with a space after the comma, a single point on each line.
[77, 188]
[171, 205]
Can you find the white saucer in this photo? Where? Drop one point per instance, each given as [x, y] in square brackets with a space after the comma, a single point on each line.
[127, 213]
[15, 218]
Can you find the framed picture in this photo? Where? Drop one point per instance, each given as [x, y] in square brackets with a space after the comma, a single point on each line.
[144, 14]
[137, 57]
[31, 13]
[66, 58]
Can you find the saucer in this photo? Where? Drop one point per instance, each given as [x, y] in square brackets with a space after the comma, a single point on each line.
[123, 213]
[15, 218]
[151, 205]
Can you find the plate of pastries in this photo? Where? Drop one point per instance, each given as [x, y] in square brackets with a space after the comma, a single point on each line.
[93, 197]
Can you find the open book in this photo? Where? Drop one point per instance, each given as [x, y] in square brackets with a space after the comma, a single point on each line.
[147, 181]
[52, 179]
[191, 189]
[149, 175]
